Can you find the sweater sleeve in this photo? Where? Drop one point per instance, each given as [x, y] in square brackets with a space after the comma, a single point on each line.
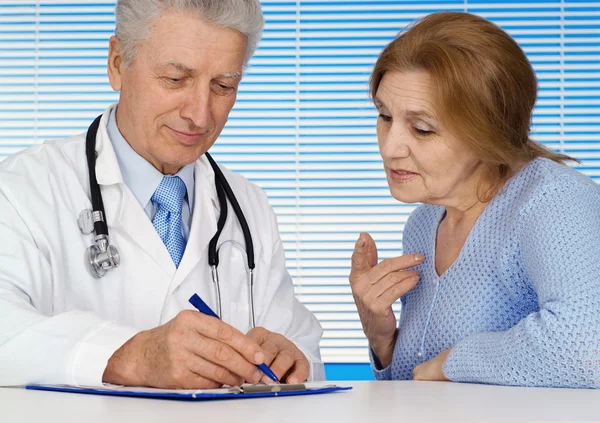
[379, 372]
[559, 243]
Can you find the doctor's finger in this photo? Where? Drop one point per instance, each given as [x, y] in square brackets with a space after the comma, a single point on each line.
[258, 334]
[212, 373]
[282, 363]
[300, 371]
[226, 357]
[217, 330]
[191, 381]
[268, 342]
[270, 349]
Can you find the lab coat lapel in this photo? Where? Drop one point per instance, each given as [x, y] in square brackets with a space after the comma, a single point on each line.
[107, 166]
[120, 202]
[204, 222]
[135, 222]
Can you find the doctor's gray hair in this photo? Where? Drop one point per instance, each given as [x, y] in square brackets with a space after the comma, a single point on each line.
[136, 17]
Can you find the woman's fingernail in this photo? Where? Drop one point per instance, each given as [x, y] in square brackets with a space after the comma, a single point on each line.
[259, 358]
[360, 241]
[418, 257]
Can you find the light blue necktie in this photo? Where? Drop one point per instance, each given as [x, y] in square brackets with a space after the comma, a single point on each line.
[168, 198]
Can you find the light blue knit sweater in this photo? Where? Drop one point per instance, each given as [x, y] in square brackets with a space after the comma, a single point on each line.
[521, 303]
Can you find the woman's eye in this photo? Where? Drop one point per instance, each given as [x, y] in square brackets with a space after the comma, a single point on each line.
[385, 118]
[422, 131]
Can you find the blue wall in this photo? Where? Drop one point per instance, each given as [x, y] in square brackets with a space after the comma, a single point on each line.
[345, 371]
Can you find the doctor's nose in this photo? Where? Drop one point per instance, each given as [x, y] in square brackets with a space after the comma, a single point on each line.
[196, 109]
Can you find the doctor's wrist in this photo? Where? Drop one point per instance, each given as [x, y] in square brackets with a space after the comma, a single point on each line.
[123, 366]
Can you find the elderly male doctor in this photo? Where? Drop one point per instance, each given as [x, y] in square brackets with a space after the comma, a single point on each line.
[177, 65]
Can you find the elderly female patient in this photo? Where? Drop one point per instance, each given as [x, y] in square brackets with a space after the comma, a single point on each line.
[500, 281]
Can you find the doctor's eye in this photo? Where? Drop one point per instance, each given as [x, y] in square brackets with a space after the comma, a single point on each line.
[385, 118]
[223, 89]
[171, 81]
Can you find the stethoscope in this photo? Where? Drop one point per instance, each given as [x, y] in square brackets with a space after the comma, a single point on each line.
[103, 256]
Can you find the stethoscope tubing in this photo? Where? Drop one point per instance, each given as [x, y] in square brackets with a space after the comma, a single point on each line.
[224, 193]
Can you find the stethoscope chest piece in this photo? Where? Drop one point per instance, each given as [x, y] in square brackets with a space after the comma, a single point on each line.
[103, 256]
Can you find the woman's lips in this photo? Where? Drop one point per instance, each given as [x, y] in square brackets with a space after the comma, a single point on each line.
[401, 175]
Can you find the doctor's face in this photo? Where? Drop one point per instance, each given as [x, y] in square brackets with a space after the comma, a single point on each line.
[177, 93]
[423, 162]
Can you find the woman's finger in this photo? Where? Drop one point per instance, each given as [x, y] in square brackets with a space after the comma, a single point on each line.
[392, 279]
[386, 282]
[393, 264]
[393, 293]
[364, 256]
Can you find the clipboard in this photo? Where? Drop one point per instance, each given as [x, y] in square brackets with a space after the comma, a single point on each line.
[236, 392]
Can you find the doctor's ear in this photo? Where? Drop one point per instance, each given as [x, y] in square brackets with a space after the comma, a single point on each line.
[115, 64]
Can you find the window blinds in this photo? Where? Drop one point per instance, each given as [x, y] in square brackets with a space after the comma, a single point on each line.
[303, 127]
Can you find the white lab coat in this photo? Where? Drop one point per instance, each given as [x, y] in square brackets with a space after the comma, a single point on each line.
[60, 325]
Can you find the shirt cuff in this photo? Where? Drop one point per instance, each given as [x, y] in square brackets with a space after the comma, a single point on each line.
[317, 368]
[378, 372]
[92, 353]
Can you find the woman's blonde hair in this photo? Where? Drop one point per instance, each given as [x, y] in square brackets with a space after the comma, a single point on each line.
[485, 88]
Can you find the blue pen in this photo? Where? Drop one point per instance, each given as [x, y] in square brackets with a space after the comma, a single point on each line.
[202, 307]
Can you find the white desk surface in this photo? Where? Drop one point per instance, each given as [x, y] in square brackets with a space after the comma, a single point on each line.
[368, 402]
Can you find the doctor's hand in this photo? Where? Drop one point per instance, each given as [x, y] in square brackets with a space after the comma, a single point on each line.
[375, 287]
[281, 355]
[192, 351]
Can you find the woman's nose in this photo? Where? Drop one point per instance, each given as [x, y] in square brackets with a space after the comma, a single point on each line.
[394, 144]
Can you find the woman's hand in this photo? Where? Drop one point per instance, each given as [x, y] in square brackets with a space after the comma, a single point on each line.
[432, 369]
[375, 288]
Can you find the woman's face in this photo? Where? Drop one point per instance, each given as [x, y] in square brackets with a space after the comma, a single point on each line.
[423, 162]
